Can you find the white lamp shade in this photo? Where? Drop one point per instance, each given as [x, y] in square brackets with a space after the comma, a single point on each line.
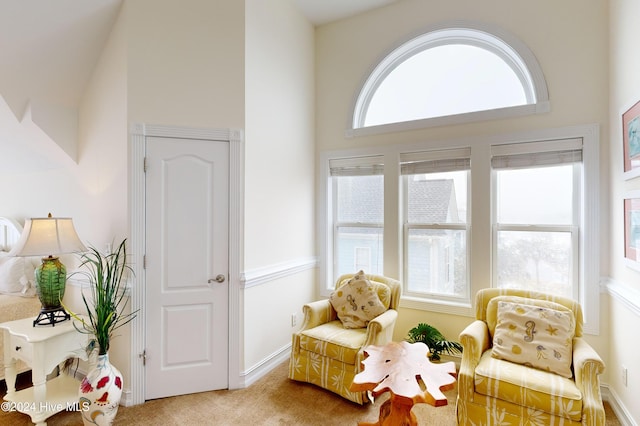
[48, 236]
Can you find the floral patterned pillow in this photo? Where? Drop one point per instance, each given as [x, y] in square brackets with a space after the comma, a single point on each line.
[535, 336]
[357, 301]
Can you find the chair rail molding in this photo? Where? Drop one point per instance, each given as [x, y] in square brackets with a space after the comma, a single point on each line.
[623, 293]
[263, 275]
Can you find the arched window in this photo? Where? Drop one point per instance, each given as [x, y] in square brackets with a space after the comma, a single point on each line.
[449, 76]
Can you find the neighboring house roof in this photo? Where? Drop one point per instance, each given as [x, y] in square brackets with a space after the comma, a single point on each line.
[430, 201]
[361, 200]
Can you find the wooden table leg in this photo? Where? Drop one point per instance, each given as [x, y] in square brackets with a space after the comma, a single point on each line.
[393, 413]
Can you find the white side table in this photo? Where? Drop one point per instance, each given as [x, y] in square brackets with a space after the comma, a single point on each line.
[42, 348]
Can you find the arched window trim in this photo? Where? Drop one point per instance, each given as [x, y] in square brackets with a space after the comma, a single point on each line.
[515, 54]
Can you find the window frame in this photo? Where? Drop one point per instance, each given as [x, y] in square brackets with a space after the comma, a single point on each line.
[435, 155]
[538, 147]
[365, 161]
[506, 46]
[479, 219]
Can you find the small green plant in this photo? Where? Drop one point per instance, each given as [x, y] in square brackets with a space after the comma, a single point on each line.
[437, 343]
[105, 307]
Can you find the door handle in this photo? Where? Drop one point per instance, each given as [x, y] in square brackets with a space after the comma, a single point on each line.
[218, 279]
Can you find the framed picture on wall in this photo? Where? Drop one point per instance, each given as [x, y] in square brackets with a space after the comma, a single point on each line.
[632, 229]
[631, 139]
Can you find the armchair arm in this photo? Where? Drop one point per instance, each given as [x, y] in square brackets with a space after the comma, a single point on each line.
[316, 313]
[380, 329]
[474, 340]
[379, 332]
[587, 365]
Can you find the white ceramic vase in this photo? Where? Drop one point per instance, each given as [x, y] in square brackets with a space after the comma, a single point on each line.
[100, 393]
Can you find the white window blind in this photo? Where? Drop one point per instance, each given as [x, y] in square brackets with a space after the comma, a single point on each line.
[435, 161]
[361, 166]
[536, 154]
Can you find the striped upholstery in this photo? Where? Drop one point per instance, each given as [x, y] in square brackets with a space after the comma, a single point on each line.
[328, 355]
[334, 341]
[496, 392]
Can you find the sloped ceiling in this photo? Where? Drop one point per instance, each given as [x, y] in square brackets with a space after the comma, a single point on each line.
[48, 50]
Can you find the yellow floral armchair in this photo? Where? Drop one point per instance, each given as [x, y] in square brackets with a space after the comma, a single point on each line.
[495, 391]
[327, 354]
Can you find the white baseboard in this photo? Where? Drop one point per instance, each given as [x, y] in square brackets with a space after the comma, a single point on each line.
[259, 370]
[618, 408]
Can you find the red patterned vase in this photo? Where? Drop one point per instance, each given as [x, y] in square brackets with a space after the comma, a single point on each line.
[100, 393]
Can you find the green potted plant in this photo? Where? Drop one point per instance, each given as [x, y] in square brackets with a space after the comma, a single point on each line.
[101, 389]
[437, 343]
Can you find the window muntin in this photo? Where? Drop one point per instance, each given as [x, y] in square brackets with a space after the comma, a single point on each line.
[435, 223]
[358, 214]
[538, 214]
[444, 80]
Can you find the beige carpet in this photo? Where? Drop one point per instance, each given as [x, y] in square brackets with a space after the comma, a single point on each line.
[273, 400]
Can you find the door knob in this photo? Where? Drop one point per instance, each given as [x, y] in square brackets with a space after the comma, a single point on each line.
[219, 279]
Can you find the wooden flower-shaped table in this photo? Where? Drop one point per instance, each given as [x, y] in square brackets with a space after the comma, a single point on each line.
[404, 370]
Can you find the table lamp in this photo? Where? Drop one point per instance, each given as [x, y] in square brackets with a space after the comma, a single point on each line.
[49, 236]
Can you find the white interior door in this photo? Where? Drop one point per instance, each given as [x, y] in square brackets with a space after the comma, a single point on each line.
[187, 211]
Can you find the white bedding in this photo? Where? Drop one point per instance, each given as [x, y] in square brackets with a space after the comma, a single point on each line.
[17, 292]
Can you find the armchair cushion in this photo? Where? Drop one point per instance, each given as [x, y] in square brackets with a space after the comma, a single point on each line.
[535, 336]
[523, 386]
[332, 340]
[357, 301]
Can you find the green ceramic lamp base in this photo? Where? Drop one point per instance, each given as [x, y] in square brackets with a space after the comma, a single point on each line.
[51, 277]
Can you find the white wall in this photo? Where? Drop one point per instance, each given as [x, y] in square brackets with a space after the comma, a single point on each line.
[93, 190]
[279, 172]
[186, 62]
[102, 160]
[625, 308]
[569, 40]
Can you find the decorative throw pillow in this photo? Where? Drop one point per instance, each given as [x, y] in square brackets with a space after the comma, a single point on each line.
[14, 274]
[383, 290]
[357, 302]
[535, 336]
[492, 307]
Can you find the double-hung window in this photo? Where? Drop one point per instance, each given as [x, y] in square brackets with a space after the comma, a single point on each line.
[435, 222]
[537, 216]
[357, 210]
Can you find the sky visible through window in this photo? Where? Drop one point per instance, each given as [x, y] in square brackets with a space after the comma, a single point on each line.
[445, 80]
[541, 195]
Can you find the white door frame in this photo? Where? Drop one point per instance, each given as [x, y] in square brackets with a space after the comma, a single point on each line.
[137, 137]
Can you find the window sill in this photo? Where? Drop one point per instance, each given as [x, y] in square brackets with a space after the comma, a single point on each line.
[449, 120]
[441, 306]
